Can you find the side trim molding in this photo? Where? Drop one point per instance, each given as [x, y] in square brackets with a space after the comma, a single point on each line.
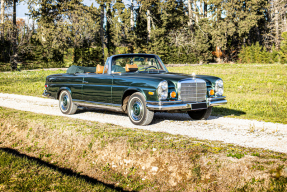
[108, 106]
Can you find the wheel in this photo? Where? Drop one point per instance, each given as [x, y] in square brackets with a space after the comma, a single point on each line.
[200, 114]
[66, 104]
[137, 111]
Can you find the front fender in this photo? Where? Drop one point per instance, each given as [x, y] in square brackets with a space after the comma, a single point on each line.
[132, 90]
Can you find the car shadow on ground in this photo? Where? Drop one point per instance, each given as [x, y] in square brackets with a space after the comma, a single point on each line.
[216, 113]
[65, 171]
[162, 116]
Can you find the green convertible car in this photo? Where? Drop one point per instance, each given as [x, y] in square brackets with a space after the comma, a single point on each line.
[137, 84]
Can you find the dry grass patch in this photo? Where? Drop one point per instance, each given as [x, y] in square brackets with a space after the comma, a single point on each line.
[141, 160]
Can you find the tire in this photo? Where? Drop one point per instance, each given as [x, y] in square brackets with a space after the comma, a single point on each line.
[200, 114]
[66, 104]
[137, 111]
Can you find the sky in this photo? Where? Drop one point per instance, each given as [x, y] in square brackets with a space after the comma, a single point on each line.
[22, 8]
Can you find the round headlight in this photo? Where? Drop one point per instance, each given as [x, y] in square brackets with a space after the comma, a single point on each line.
[219, 87]
[219, 92]
[219, 83]
[162, 90]
[164, 85]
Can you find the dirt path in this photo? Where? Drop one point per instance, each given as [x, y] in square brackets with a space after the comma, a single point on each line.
[249, 133]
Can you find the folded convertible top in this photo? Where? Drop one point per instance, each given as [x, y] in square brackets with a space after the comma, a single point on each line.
[79, 69]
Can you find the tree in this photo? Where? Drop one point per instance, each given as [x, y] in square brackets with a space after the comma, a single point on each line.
[2, 19]
[276, 17]
[13, 59]
[62, 25]
[231, 21]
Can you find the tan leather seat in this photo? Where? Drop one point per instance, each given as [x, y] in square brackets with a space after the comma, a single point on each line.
[99, 69]
[130, 66]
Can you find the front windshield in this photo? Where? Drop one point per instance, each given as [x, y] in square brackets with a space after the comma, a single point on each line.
[137, 63]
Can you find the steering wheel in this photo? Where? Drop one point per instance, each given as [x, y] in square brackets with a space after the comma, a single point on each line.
[146, 68]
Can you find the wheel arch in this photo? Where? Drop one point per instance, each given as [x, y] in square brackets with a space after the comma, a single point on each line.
[127, 94]
[61, 89]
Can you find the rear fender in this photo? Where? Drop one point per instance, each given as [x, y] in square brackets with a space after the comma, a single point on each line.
[61, 89]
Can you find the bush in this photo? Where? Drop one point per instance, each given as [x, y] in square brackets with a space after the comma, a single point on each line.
[258, 54]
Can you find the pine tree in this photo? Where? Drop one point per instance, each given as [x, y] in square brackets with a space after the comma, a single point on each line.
[283, 50]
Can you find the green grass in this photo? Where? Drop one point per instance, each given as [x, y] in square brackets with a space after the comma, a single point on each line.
[88, 141]
[23, 173]
[253, 91]
[30, 83]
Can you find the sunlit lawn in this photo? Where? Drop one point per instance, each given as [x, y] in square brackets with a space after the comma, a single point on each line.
[253, 91]
[24, 174]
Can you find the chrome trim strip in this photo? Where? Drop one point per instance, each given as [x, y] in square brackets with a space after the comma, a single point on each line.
[108, 106]
[168, 107]
[179, 90]
[163, 102]
[219, 102]
[216, 98]
[178, 105]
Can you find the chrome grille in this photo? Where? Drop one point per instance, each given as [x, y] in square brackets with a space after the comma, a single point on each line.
[192, 90]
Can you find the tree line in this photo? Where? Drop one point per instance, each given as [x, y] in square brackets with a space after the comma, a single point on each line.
[180, 31]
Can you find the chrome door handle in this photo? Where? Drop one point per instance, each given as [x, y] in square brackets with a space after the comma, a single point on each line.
[85, 82]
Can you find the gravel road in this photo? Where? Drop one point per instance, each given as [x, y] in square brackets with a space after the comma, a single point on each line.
[248, 133]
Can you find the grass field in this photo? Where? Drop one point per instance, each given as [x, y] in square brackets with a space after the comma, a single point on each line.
[23, 173]
[253, 91]
[127, 158]
[49, 153]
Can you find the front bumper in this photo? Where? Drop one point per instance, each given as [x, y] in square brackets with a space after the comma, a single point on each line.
[179, 105]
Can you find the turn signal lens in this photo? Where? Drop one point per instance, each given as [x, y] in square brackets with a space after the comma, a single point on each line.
[211, 92]
[151, 93]
[173, 94]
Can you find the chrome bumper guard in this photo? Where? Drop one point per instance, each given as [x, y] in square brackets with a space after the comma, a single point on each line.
[45, 94]
[178, 105]
[217, 101]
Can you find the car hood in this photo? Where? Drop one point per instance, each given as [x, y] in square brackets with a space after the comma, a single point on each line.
[174, 77]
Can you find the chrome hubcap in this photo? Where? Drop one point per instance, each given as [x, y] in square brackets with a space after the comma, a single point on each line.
[136, 110]
[65, 102]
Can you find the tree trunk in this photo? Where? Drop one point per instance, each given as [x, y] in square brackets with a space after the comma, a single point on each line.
[108, 32]
[276, 30]
[205, 9]
[148, 25]
[132, 15]
[190, 14]
[2, 27]
[102, 33]
[201, 9]
[196, 14]
[2, 19]
[284, 22]
[14, 56]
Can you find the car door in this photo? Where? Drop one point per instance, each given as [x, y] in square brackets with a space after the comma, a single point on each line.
[97, 87]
